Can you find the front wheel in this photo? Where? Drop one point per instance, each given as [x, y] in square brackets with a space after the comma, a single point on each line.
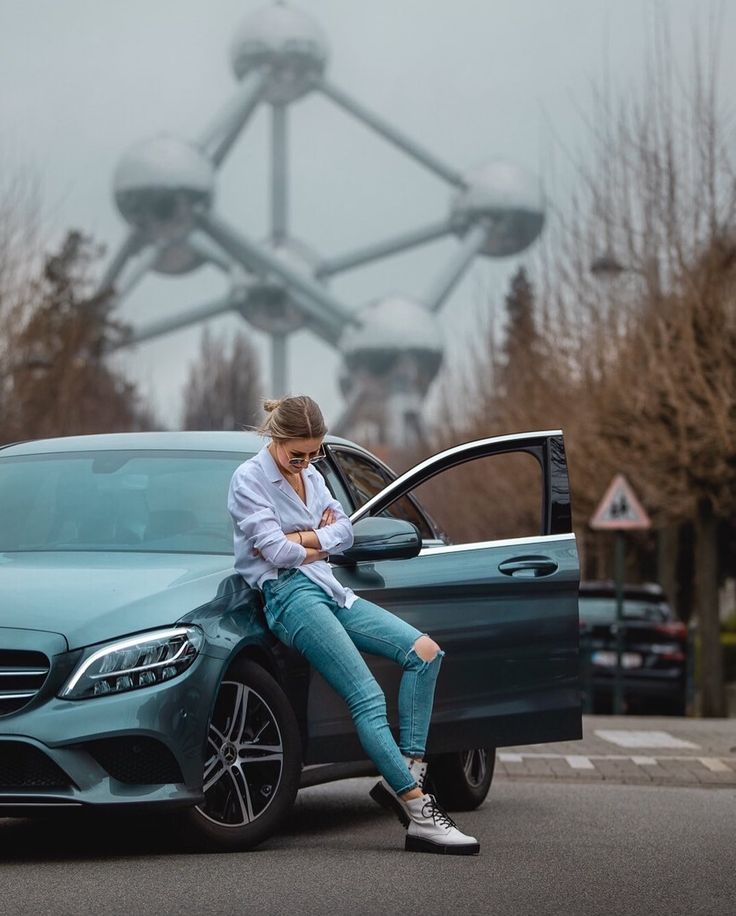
[253, 762]
[461, 780]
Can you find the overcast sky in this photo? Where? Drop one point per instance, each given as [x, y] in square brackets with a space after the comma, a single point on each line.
[81, 81]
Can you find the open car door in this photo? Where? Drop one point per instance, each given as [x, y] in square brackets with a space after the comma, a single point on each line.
[505, 611]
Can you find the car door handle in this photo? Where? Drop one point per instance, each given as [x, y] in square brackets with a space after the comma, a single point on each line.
[528, 567]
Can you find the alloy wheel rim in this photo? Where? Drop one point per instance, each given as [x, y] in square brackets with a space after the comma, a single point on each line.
[475, 766]
[245, 757]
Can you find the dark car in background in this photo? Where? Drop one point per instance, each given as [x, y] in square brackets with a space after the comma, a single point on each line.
[137, 670]
[655, 653]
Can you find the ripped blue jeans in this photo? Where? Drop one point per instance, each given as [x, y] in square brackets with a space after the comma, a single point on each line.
[302, 615]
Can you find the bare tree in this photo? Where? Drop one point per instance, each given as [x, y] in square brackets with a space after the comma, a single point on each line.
[641, 372]
[675, 419]
[223, 388]
[19, 258]
[657, 348]
[57, 378]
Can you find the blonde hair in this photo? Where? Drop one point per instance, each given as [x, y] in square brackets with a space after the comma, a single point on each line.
[296, 417]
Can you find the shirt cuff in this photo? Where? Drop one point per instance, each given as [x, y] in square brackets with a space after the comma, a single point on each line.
[329, 537]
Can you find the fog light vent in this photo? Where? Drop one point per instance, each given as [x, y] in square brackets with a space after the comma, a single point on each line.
[136, 760]
[23, 766]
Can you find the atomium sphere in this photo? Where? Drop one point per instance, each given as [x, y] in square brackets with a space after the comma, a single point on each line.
[178, 258]
[508, 199]
[286, 41]
[157, 186]
[397, 335]
[264, 300]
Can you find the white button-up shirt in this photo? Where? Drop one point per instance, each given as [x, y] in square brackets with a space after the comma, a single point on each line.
[265, 508]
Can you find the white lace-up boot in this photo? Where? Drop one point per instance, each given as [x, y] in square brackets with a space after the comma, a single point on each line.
[431, 829]
[387, 798]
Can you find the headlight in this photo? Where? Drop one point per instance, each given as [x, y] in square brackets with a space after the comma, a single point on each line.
[138, 661]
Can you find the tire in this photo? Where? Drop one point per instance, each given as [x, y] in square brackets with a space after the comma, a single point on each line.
[461, 781]
[250, 785]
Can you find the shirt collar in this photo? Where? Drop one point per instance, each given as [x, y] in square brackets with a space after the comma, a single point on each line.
[269, 465]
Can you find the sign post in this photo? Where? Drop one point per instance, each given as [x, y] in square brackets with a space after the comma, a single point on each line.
[619, 511]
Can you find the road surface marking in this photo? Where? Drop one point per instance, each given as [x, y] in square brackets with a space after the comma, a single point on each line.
[585, 761]
[632, 738]
[714, 764]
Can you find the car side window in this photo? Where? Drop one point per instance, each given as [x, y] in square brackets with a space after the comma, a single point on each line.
[335, 485]
[364, 478]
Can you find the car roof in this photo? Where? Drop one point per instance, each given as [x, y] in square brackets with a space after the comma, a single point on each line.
[184, 440]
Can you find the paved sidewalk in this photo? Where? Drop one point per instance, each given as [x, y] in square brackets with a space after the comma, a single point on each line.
[642, 750]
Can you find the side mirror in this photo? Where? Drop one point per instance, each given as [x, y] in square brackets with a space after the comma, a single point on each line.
[381, 539]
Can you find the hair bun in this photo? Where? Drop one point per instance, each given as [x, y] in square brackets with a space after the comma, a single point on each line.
[297, 417]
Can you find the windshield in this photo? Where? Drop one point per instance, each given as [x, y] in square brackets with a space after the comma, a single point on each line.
[167, 501]
[604, 609]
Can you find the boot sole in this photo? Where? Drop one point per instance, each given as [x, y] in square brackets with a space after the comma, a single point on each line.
[380, 794]
[416, 844]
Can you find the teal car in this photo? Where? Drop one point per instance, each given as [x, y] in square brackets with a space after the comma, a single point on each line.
[137, 671]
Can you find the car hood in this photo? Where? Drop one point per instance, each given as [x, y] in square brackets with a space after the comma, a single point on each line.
[91, 597]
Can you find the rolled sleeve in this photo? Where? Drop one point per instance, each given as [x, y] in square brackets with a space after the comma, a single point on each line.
[336, 537]
[259, 525]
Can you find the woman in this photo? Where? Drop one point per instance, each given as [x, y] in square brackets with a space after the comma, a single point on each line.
[286, 524]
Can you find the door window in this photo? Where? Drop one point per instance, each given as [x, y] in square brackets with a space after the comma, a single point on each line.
[335, 485]
[364, 478]
[491, 498]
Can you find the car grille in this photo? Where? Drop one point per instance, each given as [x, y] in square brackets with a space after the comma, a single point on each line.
[23, 766]
[21, 677]
[136, 760]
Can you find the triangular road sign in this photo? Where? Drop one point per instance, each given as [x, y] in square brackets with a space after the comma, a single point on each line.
[620, 510]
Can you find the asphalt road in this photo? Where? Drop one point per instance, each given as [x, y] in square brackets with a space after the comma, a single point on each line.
[547, 847]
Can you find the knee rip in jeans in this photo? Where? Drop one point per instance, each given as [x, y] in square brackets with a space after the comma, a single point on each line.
[426, 648]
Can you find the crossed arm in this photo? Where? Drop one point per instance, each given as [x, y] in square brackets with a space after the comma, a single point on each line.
[255, 516]
[310, 540]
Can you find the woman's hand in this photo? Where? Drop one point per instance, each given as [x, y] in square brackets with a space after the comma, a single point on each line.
[314, 555]
[307, 538]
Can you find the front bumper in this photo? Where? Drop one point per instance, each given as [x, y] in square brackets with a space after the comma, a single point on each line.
[143, 748]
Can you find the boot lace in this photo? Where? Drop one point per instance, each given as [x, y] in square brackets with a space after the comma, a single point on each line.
[419, 772]
[437, 813]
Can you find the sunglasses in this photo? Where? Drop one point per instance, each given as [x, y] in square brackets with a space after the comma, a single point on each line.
[309, 459]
